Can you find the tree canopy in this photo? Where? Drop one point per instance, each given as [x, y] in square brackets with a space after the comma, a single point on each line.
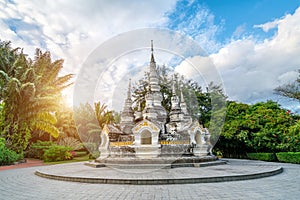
[261, 127]
[30, 94]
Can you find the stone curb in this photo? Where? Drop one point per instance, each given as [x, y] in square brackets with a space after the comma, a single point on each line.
[152, 166]
[275, 171]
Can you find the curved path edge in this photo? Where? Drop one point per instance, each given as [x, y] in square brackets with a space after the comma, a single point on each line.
[263, 174]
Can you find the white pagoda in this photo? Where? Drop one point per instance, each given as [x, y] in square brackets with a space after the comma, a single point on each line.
[153, 132]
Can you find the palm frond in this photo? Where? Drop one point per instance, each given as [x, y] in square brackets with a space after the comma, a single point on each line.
[46, 127]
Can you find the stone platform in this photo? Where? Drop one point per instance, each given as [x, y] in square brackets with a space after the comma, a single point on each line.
[155, 163]
[232, 171]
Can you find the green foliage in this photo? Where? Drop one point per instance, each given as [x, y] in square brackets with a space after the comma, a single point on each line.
[65, 123]
[262, 156]
[17, 142]
[37, 150]
[49, 151]
[291, 140]
[102, 114]
[87, 124]
[289, 157]
[262, 127]
[90, 122]
[31, 93]
[7, 156]
[57, 153]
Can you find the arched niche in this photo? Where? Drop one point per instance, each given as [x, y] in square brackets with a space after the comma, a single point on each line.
[198, 137]
[146, 137]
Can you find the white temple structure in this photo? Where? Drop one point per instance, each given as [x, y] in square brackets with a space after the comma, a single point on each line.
[153, 132]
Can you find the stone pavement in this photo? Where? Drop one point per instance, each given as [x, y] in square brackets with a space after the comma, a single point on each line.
[23, 184]
[153, 174]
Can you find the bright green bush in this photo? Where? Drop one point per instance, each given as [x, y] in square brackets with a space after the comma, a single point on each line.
[262, 156]
[37, 149]
[57, 153]
[7, 156]
[289, 157]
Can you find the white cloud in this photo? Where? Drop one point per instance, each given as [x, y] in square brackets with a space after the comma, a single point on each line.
[239, 30]
[200, 69]
[252, 69]
[71, 30]
[197, 21]
[268, 26]
[288, 77]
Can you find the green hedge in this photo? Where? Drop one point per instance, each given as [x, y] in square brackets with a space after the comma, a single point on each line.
[289, 157]
[262, 156]
[57, 153]
[38, 149]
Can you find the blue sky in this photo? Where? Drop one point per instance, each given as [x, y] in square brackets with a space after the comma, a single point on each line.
[235, 19]
[254, 44]
[238, 13]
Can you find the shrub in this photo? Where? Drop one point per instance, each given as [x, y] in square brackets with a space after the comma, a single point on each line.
[70, 142]
[262, 156]
[37, 149]
[8, 156]
[289, 157]
[57, 153]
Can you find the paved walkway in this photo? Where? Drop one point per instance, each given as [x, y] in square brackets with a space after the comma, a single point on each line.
[23, 184]
[157, 174]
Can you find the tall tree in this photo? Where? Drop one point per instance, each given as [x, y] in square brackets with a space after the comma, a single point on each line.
[103, 115]
[31, 93]
[262, 127]
[87, 125]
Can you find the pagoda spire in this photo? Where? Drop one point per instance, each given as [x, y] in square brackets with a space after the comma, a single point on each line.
[152, 56]
[173, 86]
[183, 104]
[129, 88]
[154, 109]
[127, 115]
[175, 105]
[153, 77]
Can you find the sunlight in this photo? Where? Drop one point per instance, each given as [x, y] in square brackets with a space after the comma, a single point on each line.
[67, 95]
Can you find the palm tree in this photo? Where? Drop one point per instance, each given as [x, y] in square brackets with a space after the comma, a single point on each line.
[102, 114]
[31, 92]
[65, 123]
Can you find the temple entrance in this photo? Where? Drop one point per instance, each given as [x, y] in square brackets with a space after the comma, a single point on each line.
[198, 137]
[146, 137]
